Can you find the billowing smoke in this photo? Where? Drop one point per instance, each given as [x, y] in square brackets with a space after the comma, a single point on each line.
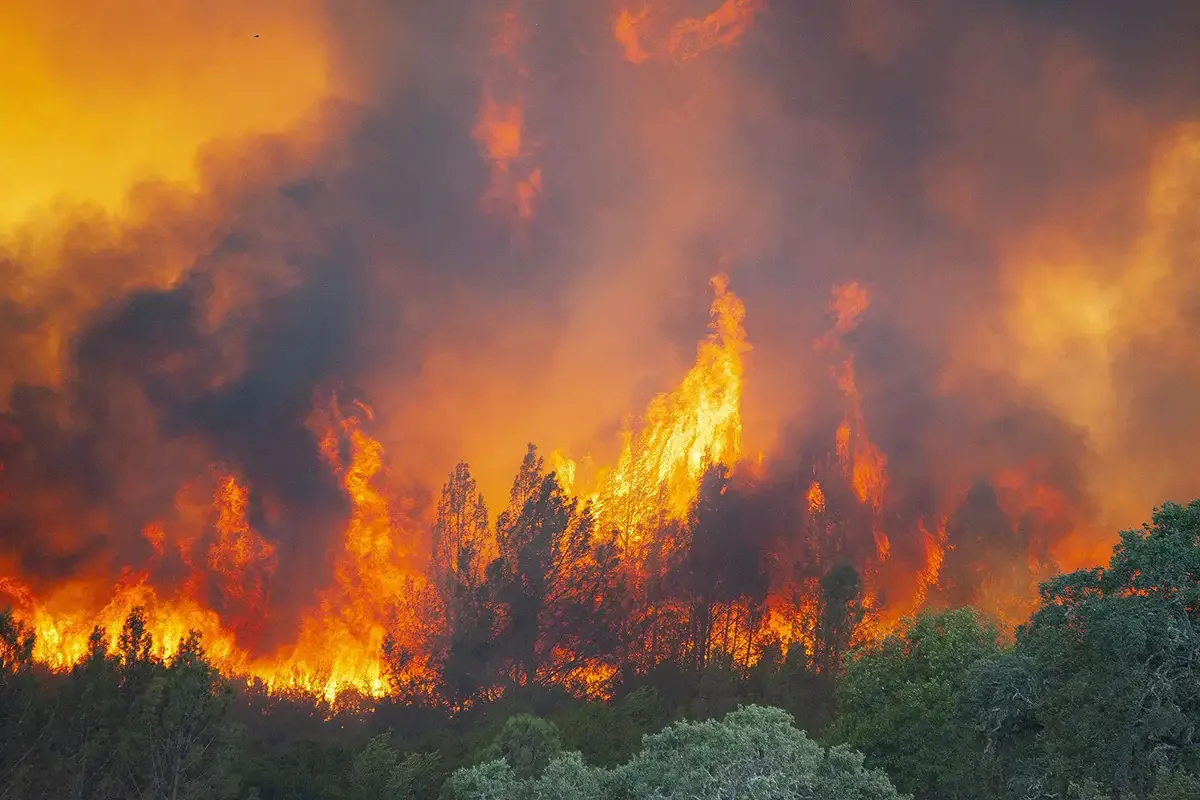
[494, 224]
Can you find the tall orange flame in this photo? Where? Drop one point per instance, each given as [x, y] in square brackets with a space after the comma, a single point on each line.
[241, 559]
[684, 432]
[371, 629]
[376, 588]
[861, 458]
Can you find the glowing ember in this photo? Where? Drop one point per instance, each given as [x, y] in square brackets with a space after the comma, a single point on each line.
[642, 36]
[500, 126]
[861, 458]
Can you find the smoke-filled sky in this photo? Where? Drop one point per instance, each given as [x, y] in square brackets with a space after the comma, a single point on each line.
[489, 223]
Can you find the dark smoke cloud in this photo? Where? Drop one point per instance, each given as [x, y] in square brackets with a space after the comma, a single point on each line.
[907, 147]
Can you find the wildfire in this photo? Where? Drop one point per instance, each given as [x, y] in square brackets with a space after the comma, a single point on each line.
[215, 179]
[642, 35]
[500, 125]
[375, 592]
[861, 458]
[241, 559]
[370, 630]
[684, 432]
[935, 554]
[816, 499]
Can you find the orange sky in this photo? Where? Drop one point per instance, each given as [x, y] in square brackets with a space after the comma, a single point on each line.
[101, 95]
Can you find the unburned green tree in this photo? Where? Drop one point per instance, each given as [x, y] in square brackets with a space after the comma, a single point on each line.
[754, 753]
[900, 701]
[179, 743]
[527, 743]
[1104, 681]
[21, 714]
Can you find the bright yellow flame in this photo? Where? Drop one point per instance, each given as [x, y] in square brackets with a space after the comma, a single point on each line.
[341, 640]
[375, 592]
[684, 432]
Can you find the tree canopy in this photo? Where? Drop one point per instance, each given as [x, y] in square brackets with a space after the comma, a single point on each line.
[754, 752]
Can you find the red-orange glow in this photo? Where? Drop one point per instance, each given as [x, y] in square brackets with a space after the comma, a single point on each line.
[376, 588]
[235, 562]
[860, 458]
[176, 165]
[379, 591]
[642, 34]
[816, 499]
[241, 562]
[625, 29]
[935, 554]
[684, 432]
[499, 127]
[62, 622]
[791, 618]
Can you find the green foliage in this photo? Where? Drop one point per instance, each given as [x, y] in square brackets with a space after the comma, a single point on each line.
[753, 753]
[20, 720]
[419, 776]
[608, 733]
[790, 682]
[1104, 681]
[178, 742]
[378, 772]
[900, 702]
[116, 726]
[372, 773]
[527, 743]
[1176, 785]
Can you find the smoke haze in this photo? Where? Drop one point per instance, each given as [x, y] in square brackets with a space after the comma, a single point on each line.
[493, 226]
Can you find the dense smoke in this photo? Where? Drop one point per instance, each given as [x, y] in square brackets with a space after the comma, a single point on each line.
[1017, 185]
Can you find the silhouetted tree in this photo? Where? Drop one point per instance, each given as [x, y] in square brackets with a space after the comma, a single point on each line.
[21, 731]
[840, 611]
[93, 711]
[982, 544]
[509, 533]
[721, 576]
[179, 742]
[462, 542]
[554, 582]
